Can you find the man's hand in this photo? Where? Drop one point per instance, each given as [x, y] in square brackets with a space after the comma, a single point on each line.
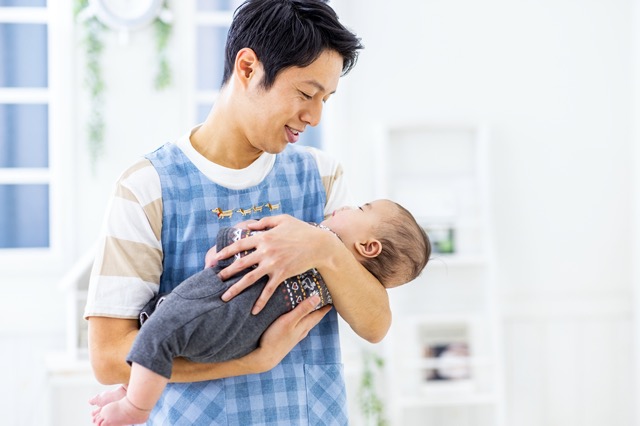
[285, 333]
[291, 247]
[280, 253]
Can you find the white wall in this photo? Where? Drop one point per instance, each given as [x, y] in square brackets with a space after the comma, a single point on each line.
[138, 118]
[33, 314]
[636, 209]
[554, 80]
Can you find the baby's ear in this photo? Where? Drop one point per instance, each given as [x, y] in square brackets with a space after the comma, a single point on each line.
[370, 248]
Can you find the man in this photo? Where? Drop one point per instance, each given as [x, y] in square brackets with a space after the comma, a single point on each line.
[283, 60]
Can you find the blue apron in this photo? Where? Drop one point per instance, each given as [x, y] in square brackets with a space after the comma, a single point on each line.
[307, 387]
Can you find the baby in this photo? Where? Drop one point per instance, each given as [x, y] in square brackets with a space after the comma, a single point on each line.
[193, 322]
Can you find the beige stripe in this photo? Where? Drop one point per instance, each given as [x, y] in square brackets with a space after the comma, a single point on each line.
[153, 210]
[134, 168]
[124, 192]
[124, 258]
[328, 181]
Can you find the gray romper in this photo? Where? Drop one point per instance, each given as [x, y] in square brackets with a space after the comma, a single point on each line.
[193, 322]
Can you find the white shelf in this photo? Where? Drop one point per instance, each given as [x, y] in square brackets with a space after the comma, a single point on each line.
[425, 363]
[439, 172]
[447, 399]
[443, 260]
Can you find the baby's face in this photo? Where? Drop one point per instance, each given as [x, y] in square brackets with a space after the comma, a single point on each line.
[357, 224]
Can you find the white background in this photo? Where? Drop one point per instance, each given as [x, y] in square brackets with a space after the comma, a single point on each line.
[557, 83]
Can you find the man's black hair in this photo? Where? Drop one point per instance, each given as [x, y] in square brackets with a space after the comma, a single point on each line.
[288, 33]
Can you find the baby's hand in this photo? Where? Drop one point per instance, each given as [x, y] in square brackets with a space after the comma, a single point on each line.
[210, 259]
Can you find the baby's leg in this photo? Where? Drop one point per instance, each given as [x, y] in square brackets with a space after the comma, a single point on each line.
[106, 397]
[143, 391]
[145, 387]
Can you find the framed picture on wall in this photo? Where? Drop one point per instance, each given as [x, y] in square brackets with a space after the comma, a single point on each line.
[451, 361]
[446, 350]
[442, 237]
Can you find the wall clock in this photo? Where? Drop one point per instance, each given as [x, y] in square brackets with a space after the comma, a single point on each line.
[126, 15]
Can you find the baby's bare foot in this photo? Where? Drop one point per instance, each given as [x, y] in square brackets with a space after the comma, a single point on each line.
[120, 413]
[106, 397]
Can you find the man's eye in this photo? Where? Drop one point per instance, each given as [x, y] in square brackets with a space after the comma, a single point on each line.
[304, 95]
[361, 208]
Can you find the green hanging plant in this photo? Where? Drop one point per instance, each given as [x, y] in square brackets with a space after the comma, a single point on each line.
[162, 30]
[93, 42]
[371, 405]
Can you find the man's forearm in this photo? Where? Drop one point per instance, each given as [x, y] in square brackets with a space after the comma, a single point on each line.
[185, 371]
[110, 340]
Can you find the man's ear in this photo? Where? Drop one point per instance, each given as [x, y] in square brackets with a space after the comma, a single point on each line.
[370, 248]
[246, 65]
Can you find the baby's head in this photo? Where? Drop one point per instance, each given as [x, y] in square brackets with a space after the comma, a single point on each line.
[385, 238]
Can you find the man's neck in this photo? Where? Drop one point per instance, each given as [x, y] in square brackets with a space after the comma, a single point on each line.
[221, 142]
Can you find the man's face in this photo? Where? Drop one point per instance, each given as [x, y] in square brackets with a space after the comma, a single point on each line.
[280, 114]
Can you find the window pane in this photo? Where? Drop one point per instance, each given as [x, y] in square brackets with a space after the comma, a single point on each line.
[211, 41]
[24, 139]
[218, 5]
[24, 216]
[23, 55]
[23, 3]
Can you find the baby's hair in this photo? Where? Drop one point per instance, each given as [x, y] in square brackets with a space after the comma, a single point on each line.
[405, 249]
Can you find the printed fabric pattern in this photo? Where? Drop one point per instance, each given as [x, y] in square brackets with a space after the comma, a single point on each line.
[294, 289]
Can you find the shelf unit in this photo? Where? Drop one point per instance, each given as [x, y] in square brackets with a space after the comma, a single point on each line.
[443, 351]
[75, 284]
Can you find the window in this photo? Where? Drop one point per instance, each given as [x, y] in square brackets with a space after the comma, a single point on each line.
[32, 122]
[213, 18]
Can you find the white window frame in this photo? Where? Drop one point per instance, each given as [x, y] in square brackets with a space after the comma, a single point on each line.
[58, 16]
[198, 97]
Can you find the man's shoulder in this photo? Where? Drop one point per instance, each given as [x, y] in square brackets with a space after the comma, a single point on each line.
[136, 169]
[141, 180]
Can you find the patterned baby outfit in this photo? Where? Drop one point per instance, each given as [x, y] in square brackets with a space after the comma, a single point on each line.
[193, 322]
